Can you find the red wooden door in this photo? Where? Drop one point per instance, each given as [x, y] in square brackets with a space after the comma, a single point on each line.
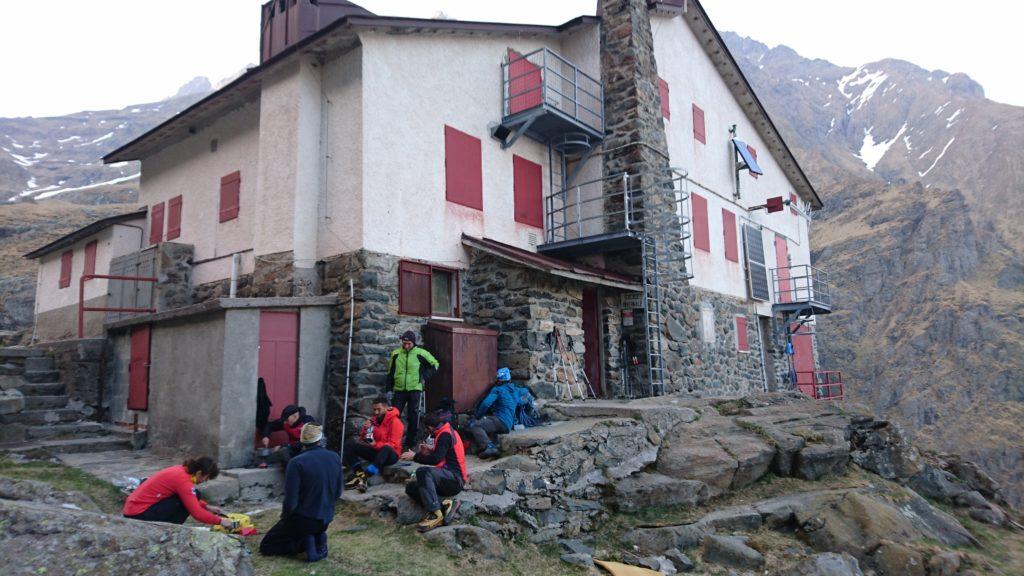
[138, 369]
[782, 264]
[524, 83]
[803, 359]
[278, 362]
[591, 340]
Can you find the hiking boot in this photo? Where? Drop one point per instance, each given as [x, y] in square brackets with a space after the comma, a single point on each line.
[449, 508]
[312, 553]
[358, 480]
[321, 544]
[491, 451]
[430, 521]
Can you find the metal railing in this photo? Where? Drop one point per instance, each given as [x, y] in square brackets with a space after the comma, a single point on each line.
[542, 77]
[821, 384]
[82, 308]
[801, 284]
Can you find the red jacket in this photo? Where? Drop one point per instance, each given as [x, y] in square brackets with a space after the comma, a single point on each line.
[163, 485]
[387, 432]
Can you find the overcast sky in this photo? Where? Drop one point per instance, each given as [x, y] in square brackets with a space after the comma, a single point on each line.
[62, 56]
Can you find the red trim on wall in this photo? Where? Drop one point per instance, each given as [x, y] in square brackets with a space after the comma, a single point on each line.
[701, 234]
[527, 191]
[174, 218]
[463, 169]
[90, 258]
[156, 223]
[666, 111]
[742, 343]
[230, 192]
[699, 132]
[732, 251]
[65, 268]
[792, 204]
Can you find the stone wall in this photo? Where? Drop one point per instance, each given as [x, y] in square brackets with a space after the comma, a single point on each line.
[174, 276]
[82, 364]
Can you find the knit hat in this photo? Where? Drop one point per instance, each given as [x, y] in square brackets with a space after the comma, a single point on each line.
[504, 375]
[311, 434]
[410, 336]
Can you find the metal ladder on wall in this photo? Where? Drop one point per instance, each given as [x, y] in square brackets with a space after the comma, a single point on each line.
[652, 316]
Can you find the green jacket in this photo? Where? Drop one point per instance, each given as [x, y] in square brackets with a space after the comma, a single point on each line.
[407, 371]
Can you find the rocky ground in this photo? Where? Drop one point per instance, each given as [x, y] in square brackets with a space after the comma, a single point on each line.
[767, 484]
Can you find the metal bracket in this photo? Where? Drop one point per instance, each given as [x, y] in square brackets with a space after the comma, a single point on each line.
[517, 133]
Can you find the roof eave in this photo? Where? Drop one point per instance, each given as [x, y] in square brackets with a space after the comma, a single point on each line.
[90, 229]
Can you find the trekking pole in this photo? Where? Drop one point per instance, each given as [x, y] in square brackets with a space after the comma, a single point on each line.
[582, 371]
[564, 355]
[348, 362]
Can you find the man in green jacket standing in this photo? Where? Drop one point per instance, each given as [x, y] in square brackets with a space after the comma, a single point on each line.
[408, 368]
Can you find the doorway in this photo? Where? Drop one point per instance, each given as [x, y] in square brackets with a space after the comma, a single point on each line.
[592, 341]
[278, 362]
[803, 358]
[138, 368]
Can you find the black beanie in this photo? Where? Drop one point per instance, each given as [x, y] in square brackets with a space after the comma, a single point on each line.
[410, 336]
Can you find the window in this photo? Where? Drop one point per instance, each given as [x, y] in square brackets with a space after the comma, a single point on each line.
[156, 223]
[793, 204]
[698, 125]
[65, 268]
[701, 236]
[174, 218]
[425, 290]
[666, 113]
[753, 153]
[90, 258]
[732, 251]
[742, 344]
[463, 171]
[527, 192]
[230, 186]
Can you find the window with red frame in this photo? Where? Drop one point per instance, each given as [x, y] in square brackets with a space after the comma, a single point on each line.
[742, 344]
[65, 268]
[666, 111]
[426, 290]
[90, 258]
[174, 218]
[463, 169]
[156, 223]
[527, 192]
[698, 125]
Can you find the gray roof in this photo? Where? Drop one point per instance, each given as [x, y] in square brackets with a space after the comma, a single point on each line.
[83, 232]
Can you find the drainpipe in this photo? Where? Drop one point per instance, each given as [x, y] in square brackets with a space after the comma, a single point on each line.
[235, 262]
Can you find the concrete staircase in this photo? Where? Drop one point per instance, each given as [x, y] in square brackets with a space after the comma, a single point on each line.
[44, 420]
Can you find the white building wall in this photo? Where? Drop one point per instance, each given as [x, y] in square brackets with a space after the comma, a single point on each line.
[693, 79]
[340, 208]
[191, 169]
[413, 87]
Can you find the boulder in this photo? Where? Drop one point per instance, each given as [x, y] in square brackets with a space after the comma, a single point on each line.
[752, 454]
[944, 564]
[894, 558]
[10, 382]
[494, 504]
[459, 539]
[938, 484]
[646, 490]
[829, 564]
[578, 559]
[490, 481]
[731, 551]
[38, 538]
[817, 460]
[681, 561]
[697, 459]
[976, 478]
[786, 448]
[989, 515]
[407, 511]
[660, 540]
[517, 462]
[11, 402]
[36, 491]
[736, 518]
[884, 449]
[972, 499]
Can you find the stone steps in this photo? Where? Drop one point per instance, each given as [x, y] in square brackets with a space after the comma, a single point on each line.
[42, 417]
[11, 370]
[75, 445]
[45, 402]
[77, 429]
[41, 389]
[41, 376]
[40, 364]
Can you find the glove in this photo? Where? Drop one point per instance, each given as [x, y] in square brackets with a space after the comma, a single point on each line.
[390, 396]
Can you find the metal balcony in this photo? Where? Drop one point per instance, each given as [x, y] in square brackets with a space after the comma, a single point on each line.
[801, 290]
[546, 97]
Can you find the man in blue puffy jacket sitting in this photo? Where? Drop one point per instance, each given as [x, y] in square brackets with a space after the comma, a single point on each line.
[494, 416]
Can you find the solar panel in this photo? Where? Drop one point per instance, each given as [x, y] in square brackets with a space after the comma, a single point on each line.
[757, 272]
[748, 158]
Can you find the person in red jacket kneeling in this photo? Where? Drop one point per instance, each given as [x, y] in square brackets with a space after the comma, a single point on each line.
[443, 476]
[379, 444]
[170, 495]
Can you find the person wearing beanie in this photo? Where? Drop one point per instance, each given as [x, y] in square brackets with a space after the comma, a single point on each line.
[379, 444]
[409, 367]
[443, 475]
[292, 419]
[495, 415]
[312, 484]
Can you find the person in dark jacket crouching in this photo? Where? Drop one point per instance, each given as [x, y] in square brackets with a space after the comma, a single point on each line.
[292, 419]
[444, 475]
[312, 484]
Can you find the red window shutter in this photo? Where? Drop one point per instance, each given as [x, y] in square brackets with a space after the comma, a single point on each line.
[753, 154]
[663, 92]
[701, 235]
[732, 251]
[525, 83]
[413, 288]
[90, 258]
[527, 191]
[792, 204]
[230, 186]
[698, 125]
[65, 268]
[741, 334]
[156, 223]
[463, 170]
[174, 218]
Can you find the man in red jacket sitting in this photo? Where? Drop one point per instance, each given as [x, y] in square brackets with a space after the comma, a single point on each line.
[379, 443]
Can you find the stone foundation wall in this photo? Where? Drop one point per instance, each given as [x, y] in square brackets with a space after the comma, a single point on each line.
[82, 365]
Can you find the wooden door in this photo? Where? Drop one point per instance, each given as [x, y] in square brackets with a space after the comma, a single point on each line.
[803, 359]
[278, 362]
[138, 369]
[592, 340]
[782, 264]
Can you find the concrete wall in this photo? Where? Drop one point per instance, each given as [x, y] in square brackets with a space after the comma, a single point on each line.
[238, 389]
[341, 207]
[191, 169]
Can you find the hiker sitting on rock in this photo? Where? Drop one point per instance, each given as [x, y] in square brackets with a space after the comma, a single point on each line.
[170, 495]
[495, 415]
[444, 475]
[312, 484]
[379, 444]
[292, 419]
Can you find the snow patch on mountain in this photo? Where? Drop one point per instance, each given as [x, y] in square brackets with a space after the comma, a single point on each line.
[871, 152]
